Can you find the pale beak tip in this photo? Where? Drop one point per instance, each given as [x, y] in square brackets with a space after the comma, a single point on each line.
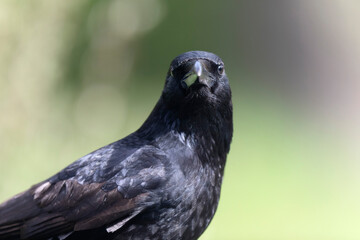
[198, 68]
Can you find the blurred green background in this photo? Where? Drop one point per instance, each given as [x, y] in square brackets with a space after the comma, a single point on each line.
[77, 75]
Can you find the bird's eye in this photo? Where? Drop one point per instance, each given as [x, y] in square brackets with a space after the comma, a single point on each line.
[171, 73]
[220, 69]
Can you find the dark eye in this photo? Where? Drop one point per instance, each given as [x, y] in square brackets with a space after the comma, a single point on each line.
[220, 69]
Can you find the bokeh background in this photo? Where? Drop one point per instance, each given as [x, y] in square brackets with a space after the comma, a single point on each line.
[77, 75]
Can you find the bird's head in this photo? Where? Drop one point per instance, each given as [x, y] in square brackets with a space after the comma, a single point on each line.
[195, 79]
[196, 101]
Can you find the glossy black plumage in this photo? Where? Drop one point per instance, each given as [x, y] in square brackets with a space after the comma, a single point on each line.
[161, 182]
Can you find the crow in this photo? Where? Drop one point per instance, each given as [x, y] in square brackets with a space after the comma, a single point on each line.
[161, 182]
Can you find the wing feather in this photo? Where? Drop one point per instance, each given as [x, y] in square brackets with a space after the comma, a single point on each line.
[63, 207]
[105, 189]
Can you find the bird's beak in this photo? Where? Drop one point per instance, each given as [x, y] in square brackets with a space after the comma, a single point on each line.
[197, 68]
[194, 74]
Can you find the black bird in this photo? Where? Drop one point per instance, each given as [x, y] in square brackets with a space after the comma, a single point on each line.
[161, 182]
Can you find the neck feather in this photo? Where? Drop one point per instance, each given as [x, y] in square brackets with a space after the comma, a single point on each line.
[210, 128]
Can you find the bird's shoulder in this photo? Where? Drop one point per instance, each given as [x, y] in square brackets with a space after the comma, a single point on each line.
[113, 162]
[121, 161]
